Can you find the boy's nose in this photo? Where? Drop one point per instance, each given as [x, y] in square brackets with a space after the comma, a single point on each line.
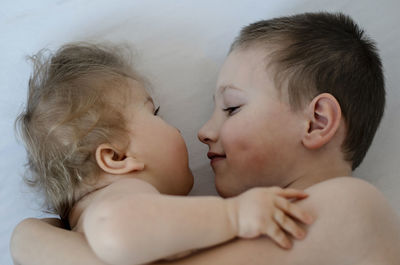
[206, 134]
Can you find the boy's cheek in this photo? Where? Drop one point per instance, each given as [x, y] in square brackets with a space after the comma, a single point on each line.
[242, 140]
[244, 158]
[234, 135]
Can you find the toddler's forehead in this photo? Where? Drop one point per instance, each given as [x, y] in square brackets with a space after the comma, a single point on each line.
[128, 92]
[136, 88]
[135, 97]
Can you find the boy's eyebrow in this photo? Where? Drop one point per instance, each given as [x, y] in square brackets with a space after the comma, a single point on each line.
[222, 88]
[230, 86]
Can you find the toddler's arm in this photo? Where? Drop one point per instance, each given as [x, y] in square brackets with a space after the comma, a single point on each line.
[140, 228]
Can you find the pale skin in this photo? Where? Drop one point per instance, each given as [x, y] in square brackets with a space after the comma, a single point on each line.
[135, 212]
[354, 223]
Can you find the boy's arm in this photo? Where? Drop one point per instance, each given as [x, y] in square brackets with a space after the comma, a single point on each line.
[43, 242]
[354, 225]
[140, 228]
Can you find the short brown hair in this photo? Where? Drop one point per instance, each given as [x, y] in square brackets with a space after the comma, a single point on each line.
[68, 114]
[326, 53]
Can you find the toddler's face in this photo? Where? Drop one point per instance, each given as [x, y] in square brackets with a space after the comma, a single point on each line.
[159, 145]
[252, 132]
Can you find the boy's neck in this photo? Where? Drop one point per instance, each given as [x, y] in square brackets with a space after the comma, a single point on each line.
[319, 170]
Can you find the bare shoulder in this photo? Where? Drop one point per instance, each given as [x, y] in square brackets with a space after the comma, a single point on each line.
[348, 198]
[355, 218]
[111, 199]
[344, 186]
[354, 225]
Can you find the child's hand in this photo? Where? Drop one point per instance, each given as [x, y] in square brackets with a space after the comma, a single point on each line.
[267, 211]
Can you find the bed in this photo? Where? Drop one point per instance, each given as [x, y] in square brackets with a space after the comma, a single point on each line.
[179, 46]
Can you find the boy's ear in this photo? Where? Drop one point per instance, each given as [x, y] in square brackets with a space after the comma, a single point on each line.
[324, 116]
[114, 162]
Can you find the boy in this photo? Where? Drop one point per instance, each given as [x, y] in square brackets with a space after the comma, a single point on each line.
[109, 165]
[309, 89]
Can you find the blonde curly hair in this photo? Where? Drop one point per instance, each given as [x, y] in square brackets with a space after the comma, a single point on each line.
[69, 113]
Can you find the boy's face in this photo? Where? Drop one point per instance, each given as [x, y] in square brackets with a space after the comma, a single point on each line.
[252, 129]
[159, 145]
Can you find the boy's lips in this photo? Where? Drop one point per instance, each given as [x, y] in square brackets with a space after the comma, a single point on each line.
[215, 157]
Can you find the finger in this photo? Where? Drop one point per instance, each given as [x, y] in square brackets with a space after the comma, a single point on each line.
[294, 210]
[275, 232]
[287, 224]
[292, 193]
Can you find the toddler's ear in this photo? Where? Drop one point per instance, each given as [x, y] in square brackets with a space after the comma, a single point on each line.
[324, 114]
[114, 162]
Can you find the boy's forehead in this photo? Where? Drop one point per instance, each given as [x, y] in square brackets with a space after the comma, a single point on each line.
[242, 68]
[240, 63]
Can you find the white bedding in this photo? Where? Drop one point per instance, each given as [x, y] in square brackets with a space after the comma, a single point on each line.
[180, 46]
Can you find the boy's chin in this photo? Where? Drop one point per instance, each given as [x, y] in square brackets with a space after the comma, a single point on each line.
[226, 188]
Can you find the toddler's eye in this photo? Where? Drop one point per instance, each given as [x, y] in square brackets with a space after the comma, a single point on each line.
[231, 110]
[156, 111]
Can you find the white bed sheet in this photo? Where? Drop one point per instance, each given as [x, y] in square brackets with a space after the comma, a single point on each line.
[180, 47]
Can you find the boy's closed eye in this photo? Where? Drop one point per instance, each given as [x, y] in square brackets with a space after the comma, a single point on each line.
[231, 110]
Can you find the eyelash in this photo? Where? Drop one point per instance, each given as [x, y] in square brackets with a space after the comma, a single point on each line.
[156, 111]
[230, 110]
